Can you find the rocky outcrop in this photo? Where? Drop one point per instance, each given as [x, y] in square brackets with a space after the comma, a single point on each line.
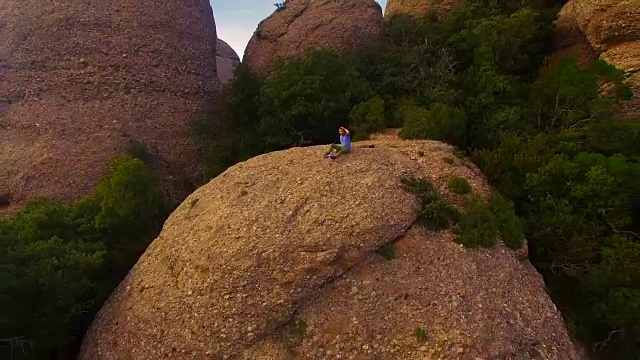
[570, 40]
[276, 259]
[226, 60]
[419, 7]
[606, 29]
[81, 80]
[304, 24]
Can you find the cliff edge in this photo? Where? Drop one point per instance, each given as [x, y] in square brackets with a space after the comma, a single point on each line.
[276, 259]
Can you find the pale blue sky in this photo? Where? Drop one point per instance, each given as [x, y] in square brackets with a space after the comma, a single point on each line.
[236, 20]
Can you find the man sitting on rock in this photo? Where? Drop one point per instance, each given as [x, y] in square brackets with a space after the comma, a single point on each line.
[344, 147]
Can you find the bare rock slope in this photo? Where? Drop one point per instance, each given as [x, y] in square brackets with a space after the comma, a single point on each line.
[317, 24]
[610, 30]
[419, 7]
[288, 239]
[226, 61]
[569, 40]
[82, 79]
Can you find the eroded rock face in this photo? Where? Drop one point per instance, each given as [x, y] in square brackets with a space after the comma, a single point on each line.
[570, 40]
[289, 235]
[419, 7]
[226, 60]
[606, 29]
[375, 309]
[81, 79]
[304, 24]
[608, 22]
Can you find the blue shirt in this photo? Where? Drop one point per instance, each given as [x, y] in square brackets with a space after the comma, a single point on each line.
[345, 141]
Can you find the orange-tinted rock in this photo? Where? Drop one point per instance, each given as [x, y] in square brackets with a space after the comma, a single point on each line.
[81, 79]
[227, 60]
[419, 7]
[606, 29]
[608, 22]
[230, 270]
[570, 41]
[303, 24]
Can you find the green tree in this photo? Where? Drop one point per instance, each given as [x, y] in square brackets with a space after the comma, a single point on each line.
[567, 96]
[367, 117]
[48, 279]
[306, 99]
[60, 262]
[231, 134]
[477, 226]
[125, 211]
[438, 123]
[544, 137]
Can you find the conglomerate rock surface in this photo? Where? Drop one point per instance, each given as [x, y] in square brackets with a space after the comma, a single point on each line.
[276, 259]
[606, 29]
[318, 24]
[82, 80]
[419, 7]
[226, 61]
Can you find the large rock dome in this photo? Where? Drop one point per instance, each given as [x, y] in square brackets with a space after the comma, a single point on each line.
[318, 24]
[419, 7]
[226, 60]
[276, 259]
[81, 80]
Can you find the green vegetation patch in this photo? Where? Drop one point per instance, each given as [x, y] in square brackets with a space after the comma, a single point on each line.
[478, 225]
[388, 251]
[509, 224]
[421, 334]
[62, 261]
[448, 160]
[459, 185]
[440, 122]
[295, 332]
[367, 117]
[434, 213]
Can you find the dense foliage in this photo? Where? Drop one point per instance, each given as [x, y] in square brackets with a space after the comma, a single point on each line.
[302, 102]
[60, 262]
[541, 128]
[481, 221]
[543, 133]
[306, 99]
[479, 77]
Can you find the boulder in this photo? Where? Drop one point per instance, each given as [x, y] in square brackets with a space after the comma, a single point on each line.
[607, 23]
[226, 61]
[569, 40]
[419, 7]
[605, 29]
[82, 80]
[276, 259]
[319, 24]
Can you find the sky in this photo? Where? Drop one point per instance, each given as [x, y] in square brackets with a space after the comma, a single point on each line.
[236, 20]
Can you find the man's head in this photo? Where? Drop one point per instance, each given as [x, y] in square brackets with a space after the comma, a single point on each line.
[342, 131]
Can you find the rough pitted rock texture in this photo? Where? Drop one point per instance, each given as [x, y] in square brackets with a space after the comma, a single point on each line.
[290, 235]
[570, 40]
[610, 30]
[81, 79]
[419, 7]
[226, 60]
[313, 24]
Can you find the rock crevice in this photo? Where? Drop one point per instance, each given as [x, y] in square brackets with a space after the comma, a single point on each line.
[290, 235]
